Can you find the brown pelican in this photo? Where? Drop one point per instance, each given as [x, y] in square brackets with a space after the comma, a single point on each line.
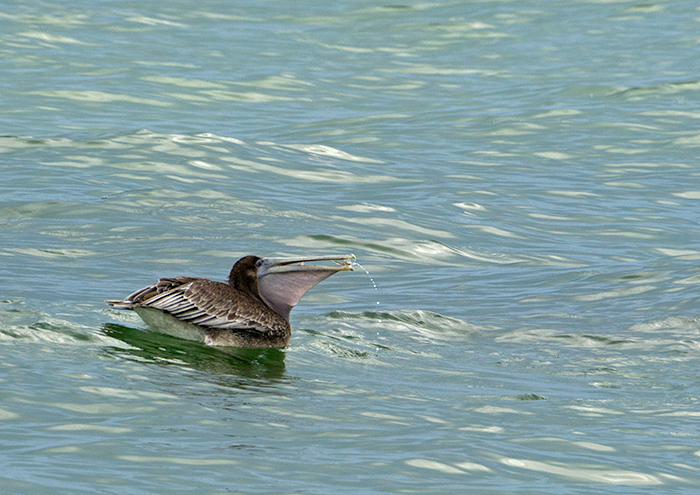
[251, 310]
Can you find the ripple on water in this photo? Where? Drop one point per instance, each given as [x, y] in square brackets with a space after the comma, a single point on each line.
[364, 336]
[402, 248]
[586, 472]
[20, 323]
[675, 335]
[417, 324]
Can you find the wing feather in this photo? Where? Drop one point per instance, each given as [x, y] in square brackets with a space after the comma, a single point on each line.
[202, 302]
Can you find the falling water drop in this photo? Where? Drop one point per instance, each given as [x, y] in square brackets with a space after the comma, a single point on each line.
[370, 276]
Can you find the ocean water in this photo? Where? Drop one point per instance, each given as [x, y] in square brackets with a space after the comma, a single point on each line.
[520, 180]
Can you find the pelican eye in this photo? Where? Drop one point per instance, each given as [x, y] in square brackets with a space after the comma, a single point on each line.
[259, 263]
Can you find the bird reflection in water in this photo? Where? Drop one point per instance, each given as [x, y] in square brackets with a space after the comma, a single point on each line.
[165, 350]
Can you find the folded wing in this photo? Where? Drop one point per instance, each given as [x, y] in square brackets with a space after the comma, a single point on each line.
[198, 301]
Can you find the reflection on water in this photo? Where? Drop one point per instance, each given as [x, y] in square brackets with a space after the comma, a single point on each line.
[161, 349]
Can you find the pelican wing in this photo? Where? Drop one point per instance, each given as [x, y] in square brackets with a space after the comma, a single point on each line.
[198, 301]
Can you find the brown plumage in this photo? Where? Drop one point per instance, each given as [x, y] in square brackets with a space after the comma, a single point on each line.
[251, 310]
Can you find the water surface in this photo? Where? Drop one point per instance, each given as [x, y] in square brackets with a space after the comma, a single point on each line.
[519, 178]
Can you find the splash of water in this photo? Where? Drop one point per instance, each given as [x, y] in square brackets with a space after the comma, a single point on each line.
[374, 284]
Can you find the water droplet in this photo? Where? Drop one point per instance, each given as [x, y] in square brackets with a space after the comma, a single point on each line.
[370, 276]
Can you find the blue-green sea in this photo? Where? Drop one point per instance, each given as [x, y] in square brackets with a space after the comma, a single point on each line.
[521, 180]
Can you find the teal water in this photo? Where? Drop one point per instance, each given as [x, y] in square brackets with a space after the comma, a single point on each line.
[519, 178]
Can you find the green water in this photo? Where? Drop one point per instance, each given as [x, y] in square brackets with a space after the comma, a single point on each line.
[519, 178]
